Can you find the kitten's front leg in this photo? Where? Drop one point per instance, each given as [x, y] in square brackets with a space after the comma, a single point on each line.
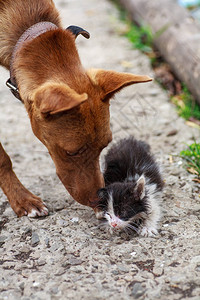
[149, 226]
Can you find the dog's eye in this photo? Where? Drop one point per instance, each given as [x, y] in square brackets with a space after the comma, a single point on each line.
[78, 152]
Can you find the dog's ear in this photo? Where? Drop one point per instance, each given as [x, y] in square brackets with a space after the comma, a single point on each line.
[76, 30]
[53, 98]
[112, 82]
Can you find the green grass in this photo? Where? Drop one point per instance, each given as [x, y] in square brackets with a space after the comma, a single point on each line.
[186, 105]
[141, 38]
[192, 157]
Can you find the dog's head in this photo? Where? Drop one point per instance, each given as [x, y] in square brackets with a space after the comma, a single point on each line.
[69, 109]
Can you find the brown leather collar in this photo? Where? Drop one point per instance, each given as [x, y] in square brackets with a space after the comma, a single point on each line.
[30, 34]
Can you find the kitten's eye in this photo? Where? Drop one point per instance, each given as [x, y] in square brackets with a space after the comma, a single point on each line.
[108, 214]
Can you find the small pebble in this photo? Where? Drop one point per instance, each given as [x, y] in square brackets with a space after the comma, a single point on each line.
[75, 261]
[21, 286]
[54, 290]
[172, 132]
[2, 238]
[41, 262]
[36, 284]
[24, 249]
[122, 269]
[35, 239]
[60, 272]
[137, 290]
[115, 272]
[75, 220]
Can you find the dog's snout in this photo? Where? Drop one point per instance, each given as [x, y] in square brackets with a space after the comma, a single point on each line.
[83, 186]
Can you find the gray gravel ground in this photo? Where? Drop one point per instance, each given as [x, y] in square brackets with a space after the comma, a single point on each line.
[67, 255]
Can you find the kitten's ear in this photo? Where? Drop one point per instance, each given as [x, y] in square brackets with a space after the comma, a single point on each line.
[111, 82]
[140, 187]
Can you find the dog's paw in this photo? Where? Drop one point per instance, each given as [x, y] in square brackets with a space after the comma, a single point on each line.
[148, 231]
[27, 204]
[38, 213]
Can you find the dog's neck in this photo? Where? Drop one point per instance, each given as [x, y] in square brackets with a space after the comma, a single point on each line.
[15, 19]
[30, 34]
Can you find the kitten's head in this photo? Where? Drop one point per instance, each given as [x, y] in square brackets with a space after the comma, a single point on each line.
[124, 205]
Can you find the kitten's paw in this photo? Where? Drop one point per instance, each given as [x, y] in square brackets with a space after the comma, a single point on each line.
[148, 231]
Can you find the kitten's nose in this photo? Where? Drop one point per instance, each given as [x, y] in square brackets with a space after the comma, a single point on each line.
[114, 224]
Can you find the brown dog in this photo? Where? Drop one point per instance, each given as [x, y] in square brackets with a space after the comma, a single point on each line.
[67, 105]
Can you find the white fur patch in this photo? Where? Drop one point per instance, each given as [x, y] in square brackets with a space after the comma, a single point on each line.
[110, 216]
[35, 213]
[150, 224]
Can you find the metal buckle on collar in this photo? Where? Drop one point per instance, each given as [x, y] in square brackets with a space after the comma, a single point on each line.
[13, 89]
[11, 86]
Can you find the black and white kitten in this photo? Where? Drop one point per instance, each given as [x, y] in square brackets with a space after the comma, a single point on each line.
[133, 182]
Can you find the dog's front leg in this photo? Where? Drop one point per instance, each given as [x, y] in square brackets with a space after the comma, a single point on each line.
[21, 200]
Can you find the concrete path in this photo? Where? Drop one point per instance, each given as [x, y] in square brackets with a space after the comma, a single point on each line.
[67, 255]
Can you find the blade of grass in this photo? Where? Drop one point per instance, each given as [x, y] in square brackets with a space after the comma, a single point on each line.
[192, 157]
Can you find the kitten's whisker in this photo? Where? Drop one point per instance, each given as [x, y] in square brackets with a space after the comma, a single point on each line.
[126, 231]
[102, 224]
[134, 223]
[132, 227]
